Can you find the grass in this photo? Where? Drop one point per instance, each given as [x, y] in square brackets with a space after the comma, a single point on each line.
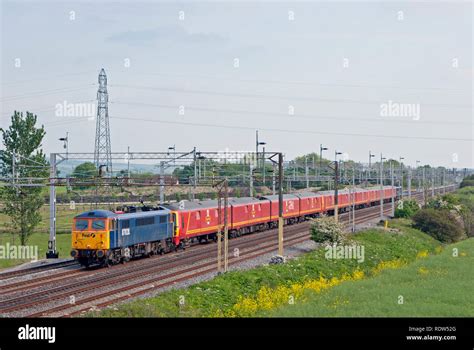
[40, 236]
[63, 244]
[218, 296]
[436, 286]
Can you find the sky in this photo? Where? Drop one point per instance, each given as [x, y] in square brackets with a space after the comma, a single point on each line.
[389, 77]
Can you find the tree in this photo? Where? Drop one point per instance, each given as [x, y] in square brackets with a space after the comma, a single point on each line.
[406, 209]
[467, 181]
[440, 224]
[21, 203]
[84, 171]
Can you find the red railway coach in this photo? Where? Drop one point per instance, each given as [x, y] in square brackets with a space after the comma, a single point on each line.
[195, 219]
[200, 220]
[361, 198]
[291, 208]
[327, 200]
[248, 215]
[311, 204]
[343, 199]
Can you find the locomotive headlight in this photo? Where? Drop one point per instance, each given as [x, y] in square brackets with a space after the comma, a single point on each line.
[73, 253]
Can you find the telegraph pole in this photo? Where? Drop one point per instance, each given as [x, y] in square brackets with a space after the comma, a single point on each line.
[273, 179]
[393, 197]
[401, 176]
[256, 146]
[424, 188]
[353, 200]
[128, 162]
[306, 170]
[162, 182]
[250, 179]
[381, 186]
[280, 204]
[321, 149]
[52, 252]
[336, 186]
[219, 229]
[432, 182]
[226, 228]
[417, 175]
[370, 166]
[409, 182]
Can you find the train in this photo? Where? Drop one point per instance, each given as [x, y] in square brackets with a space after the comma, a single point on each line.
[103, 237]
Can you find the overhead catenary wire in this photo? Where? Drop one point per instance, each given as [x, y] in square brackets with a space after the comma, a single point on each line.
[265, 96]
[241, 127]
[291, 116]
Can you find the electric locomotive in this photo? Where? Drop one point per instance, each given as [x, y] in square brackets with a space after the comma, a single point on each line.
[104, 237]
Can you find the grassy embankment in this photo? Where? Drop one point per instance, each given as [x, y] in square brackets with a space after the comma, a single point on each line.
[258, 291]
[436, 286]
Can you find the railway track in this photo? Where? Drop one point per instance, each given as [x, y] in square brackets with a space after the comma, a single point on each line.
[37, 269]
[15, 298]
[52, 295]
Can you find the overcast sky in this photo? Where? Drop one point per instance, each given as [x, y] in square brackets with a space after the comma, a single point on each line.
[302, 73]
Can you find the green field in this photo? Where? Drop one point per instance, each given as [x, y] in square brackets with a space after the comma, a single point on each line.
[439, 285]
[64, 217]
[41, 235]
[63, 244]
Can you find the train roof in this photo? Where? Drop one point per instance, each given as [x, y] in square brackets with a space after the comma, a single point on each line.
[243, 200]
[189, 205]
[140, 214]
[104, 214]
[274, 197]
[306, 194]
[97, 213]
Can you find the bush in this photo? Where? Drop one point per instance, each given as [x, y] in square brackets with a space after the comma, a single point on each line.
[406, 209]
[327, 230]
[467, 181]
[467, 214]
[441, 224]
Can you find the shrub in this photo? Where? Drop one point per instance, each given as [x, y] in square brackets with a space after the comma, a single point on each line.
[467, 181]
[406, 209]
[440, 224]
[467, 214]
[327, 230]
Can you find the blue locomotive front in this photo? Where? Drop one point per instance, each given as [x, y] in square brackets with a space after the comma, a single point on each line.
[105, 237]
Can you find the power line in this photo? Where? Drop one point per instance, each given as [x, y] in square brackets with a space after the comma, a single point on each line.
[285, 115]
[280, 97]
[293, 131]
[46, 92]
[49, 77]
[300, 82]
